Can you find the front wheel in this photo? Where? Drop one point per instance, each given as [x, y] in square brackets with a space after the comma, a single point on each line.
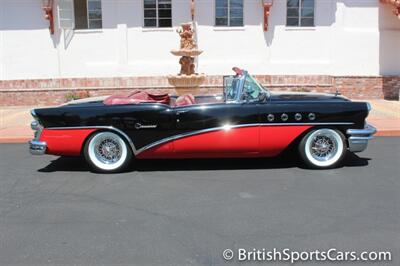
[323, 148]
[107, 152]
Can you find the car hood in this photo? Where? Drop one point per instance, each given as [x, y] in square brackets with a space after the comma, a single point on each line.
[294, 96]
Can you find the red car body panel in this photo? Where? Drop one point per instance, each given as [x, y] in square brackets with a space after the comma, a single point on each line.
[274, 139]
[65, 141]
[257, 141]
[254, 141]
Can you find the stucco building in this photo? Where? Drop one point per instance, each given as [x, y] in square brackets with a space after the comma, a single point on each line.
[98, 46]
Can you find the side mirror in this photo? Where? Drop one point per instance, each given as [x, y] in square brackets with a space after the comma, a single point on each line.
[262, 96]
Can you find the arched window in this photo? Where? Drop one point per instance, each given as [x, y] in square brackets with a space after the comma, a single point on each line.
[229, 13]
[300, 13]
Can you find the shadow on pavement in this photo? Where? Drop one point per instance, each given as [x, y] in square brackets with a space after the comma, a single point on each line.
[71, 164]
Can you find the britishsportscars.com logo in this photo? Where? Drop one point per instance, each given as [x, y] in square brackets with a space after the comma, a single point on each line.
[293, 256]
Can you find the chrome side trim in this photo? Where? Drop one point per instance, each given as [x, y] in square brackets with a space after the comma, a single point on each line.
[37, 147]
[101, 127]
[228, 127]
[358, 140]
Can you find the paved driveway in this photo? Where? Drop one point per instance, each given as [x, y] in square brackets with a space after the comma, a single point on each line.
[54, 211]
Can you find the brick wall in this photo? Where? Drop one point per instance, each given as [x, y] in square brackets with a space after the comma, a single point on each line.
[391, 87]
[54, 91]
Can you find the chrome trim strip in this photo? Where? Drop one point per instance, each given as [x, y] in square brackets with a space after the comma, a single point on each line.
[101, 127]
[227, 127]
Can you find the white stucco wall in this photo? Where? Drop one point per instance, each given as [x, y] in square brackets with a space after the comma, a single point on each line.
[350, 38]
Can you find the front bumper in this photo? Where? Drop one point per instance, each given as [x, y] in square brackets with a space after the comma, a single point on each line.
[358, 138]
[37, 147]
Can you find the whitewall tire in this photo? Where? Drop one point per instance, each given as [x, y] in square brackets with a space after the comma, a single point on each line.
[323, 148]
[107, 152]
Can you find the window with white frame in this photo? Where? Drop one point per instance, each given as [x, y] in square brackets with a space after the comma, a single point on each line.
[87, 14]
[229, 13]
[80, 14]
[157, 13]
[300, 13]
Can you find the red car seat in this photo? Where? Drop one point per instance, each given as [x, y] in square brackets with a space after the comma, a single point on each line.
[187, 99]
[138, 96]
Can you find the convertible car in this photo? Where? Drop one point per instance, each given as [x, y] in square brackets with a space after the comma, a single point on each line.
[246, 120]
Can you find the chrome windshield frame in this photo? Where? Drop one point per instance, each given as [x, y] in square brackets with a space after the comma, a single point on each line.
[240, 90]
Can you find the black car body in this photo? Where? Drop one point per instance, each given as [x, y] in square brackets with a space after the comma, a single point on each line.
[246, 120]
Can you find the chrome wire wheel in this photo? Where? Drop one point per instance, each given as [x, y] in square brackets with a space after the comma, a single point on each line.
[107, 151]
[323, 148]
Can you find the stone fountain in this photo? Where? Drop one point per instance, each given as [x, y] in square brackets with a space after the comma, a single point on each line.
[187, 79]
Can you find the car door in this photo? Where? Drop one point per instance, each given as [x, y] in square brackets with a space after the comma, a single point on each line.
[278, 127]
[219, 129]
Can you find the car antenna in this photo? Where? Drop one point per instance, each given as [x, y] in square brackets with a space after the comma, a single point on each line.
[337, 92]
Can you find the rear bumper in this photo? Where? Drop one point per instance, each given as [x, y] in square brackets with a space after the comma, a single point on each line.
[37, 147]
[358, 138]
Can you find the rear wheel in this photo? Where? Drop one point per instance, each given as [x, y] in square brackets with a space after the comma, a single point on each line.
[107, 152]
[323, 148]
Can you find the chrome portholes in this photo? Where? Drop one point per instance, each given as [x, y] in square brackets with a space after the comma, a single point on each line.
[311, 116]
[284, 117]
[271, 118]
[298, 116]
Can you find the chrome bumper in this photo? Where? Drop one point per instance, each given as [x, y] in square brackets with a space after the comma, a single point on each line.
[358, 138]
[37, 147]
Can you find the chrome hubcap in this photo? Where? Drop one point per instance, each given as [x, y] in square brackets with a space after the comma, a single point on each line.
[323, 147]
[108, 150]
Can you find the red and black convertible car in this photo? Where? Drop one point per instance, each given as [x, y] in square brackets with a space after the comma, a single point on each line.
[246, 120]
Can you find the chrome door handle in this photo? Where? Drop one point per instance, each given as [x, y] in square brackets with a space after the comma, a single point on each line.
[180, 112]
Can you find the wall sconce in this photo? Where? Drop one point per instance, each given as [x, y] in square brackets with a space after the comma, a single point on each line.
[267, 4]
[47, 6]
[396, 4]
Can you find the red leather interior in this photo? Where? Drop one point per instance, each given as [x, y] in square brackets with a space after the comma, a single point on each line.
[187, 99]
[139, 96]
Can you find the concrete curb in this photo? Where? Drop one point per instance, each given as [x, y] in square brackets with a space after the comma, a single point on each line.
[387, 133]
[15, 140]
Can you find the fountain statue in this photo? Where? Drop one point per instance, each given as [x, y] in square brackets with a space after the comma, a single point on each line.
[187, 77]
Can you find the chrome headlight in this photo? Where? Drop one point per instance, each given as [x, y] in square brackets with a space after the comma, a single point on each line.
[369, 107]
[34, 115]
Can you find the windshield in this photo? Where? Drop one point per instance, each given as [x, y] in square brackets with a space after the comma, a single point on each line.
[253, 91]
[244, 88]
